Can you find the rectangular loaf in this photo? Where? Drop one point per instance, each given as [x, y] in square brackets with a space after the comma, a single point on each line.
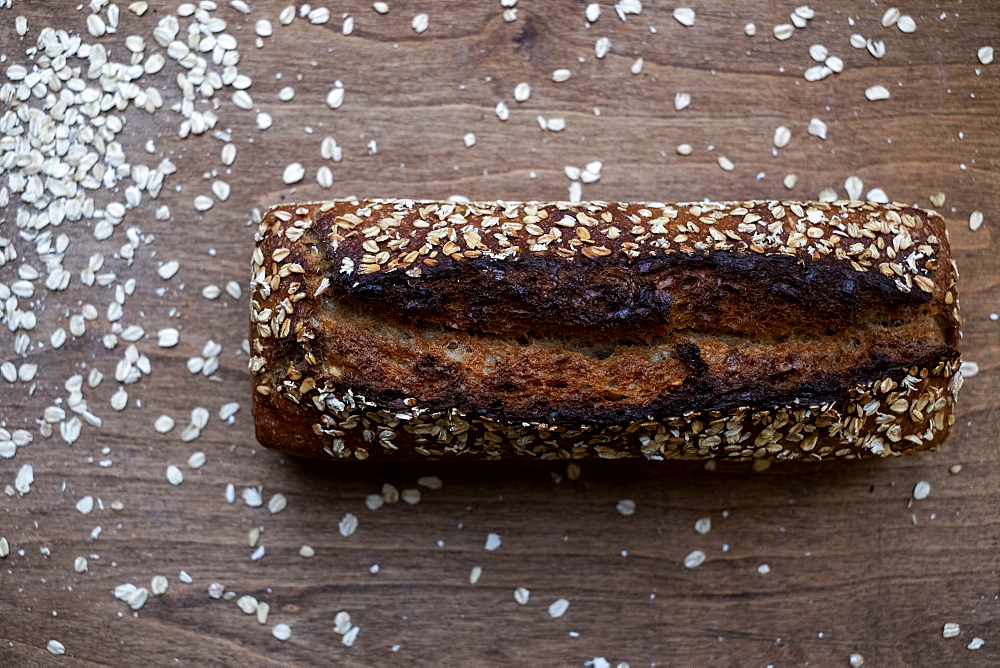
[402, 329]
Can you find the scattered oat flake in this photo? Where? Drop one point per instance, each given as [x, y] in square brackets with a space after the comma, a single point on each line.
[876, 48]
[430, 482]
[410, 496]
[167, 337]
[877, 195]
[342, 622]
[558, 608]
[307, 551]
[469, 139]
[80, 565]
[521, 595]
[726, 163]
[475, 574]
[324, 177]
[137, 598]
[350, 636]
[248, 604]
[951, 629]
[985, 54]
[694, 559]
[203, 203]
[805, 12]
[555, 124]
[703, 525]
[560, 75]
[522, 92]
[158, 585]
[626, 507]
[420, 23]
[856, 660]
[817, 128]
[601, 47]
[685, 16]
[682, 101]
[818, 52]
[168, 269]
[854, 187]
[921, 490]
[163, 424]
[252, 497]
[763, 569]
[783, 31]
[277, 503]
[174, 475]
[782, 136]
[293, 173]
[976, 643]
[906, 24]
[389, 493]
[85, 505]
[348, 524]
[56, 647]
[228, 410]
[25, 476]
[975, 220]
[877, 92]
[817, 73]
[492, 541]
[282, 631]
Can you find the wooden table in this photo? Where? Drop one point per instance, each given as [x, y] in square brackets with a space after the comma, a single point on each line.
[855, 566]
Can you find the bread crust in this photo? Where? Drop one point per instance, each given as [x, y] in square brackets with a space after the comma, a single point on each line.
[401, 329]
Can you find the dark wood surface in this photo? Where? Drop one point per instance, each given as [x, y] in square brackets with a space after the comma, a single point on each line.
[853, 567]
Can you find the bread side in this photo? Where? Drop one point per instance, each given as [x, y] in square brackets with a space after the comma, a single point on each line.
[677, 329]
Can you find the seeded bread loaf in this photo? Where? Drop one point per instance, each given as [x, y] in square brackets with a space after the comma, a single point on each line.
[401, 329]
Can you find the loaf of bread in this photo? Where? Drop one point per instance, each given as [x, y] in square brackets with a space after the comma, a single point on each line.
[402, 329]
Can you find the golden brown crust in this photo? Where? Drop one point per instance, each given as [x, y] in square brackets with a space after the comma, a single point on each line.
[412, 309]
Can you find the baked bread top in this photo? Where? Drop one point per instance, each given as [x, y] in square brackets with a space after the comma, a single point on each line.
[511, 267]
[598, 313]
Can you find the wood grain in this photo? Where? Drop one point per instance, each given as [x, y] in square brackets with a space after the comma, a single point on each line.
[850, 570]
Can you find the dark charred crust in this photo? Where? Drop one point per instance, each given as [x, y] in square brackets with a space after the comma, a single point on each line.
[690, 354]
[708, 290]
